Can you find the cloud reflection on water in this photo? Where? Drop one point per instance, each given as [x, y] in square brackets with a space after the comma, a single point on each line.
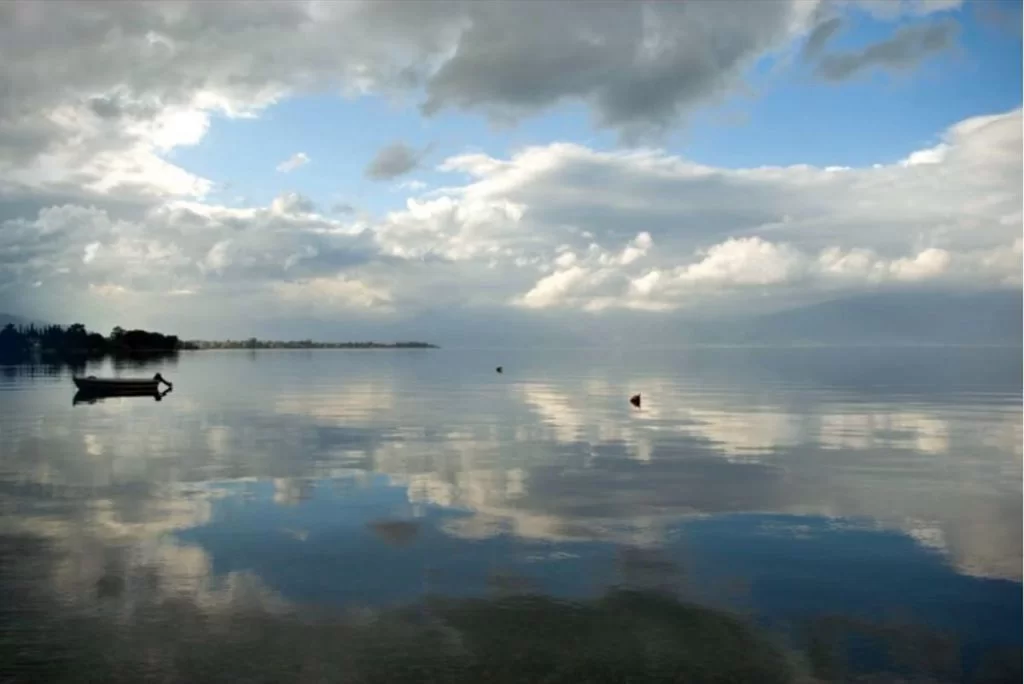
[544, 457]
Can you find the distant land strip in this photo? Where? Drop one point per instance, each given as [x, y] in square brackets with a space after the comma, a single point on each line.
[253, 343]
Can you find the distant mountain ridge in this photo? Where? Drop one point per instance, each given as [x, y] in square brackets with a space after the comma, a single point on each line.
[6, 318]
[890, 318]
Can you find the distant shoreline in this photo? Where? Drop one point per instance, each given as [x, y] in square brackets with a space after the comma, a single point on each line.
[204, 345]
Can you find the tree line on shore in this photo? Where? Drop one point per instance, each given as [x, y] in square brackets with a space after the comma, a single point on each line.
[19, 343]
[22, 342]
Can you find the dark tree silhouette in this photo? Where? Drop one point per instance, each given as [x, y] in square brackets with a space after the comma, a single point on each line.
[75, 341]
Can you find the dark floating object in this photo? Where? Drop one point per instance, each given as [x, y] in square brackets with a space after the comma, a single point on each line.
[635, 400]
[107, 386]
[500, 369]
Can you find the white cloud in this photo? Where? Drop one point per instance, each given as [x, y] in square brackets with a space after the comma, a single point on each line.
[332, 295]
[107, 289]
[90, 252]
[745, 261]
[412, 185]
[636, 249]
[931, 155]
[952, 221]
[174, 248]
[90, 199]
[562, 227]
[554, 289]
[293, 162]
[930, 263]
[292, 203]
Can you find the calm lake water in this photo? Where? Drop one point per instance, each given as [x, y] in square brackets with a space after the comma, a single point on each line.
[305, 516]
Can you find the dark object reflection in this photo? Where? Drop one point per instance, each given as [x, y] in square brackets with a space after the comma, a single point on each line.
[620, 637]
[88, 397]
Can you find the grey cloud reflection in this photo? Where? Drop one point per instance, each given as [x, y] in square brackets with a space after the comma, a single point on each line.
[120, 551]
[608, 474]
[568, 460]
[544, 459]
[539, 458]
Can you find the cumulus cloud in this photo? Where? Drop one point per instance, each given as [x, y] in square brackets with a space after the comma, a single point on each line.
[176, 247]
[635, 64]
[293, 162]
[73, 115]
[292, 203]
[90, 204]
[744, 263]
[954, 216]
[559, 227]
[333, 294]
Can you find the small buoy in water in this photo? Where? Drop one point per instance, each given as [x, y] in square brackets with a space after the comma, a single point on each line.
[635, 400]
[499, 369]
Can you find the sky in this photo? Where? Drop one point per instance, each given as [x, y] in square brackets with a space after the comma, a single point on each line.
[343, 170]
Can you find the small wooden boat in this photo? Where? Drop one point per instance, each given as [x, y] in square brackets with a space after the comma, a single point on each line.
[94, 385]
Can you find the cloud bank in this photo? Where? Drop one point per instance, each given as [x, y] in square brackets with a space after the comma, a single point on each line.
[95, 217]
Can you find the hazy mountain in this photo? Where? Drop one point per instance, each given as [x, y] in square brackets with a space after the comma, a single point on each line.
[993, 317]
[6, 318]
[890, 318]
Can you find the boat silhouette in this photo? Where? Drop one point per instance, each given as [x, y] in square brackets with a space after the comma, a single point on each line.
[92, 388]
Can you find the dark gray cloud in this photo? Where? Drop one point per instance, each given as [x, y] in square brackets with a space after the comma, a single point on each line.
[116, 106]
[392, 161]
[639, 65]
[1000, 15]
[820, 36]
[908, 47]
[636, 63]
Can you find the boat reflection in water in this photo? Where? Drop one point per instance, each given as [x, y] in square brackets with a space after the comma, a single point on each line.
[91, 396]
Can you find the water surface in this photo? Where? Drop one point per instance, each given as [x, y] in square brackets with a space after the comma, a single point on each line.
[767, 515]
